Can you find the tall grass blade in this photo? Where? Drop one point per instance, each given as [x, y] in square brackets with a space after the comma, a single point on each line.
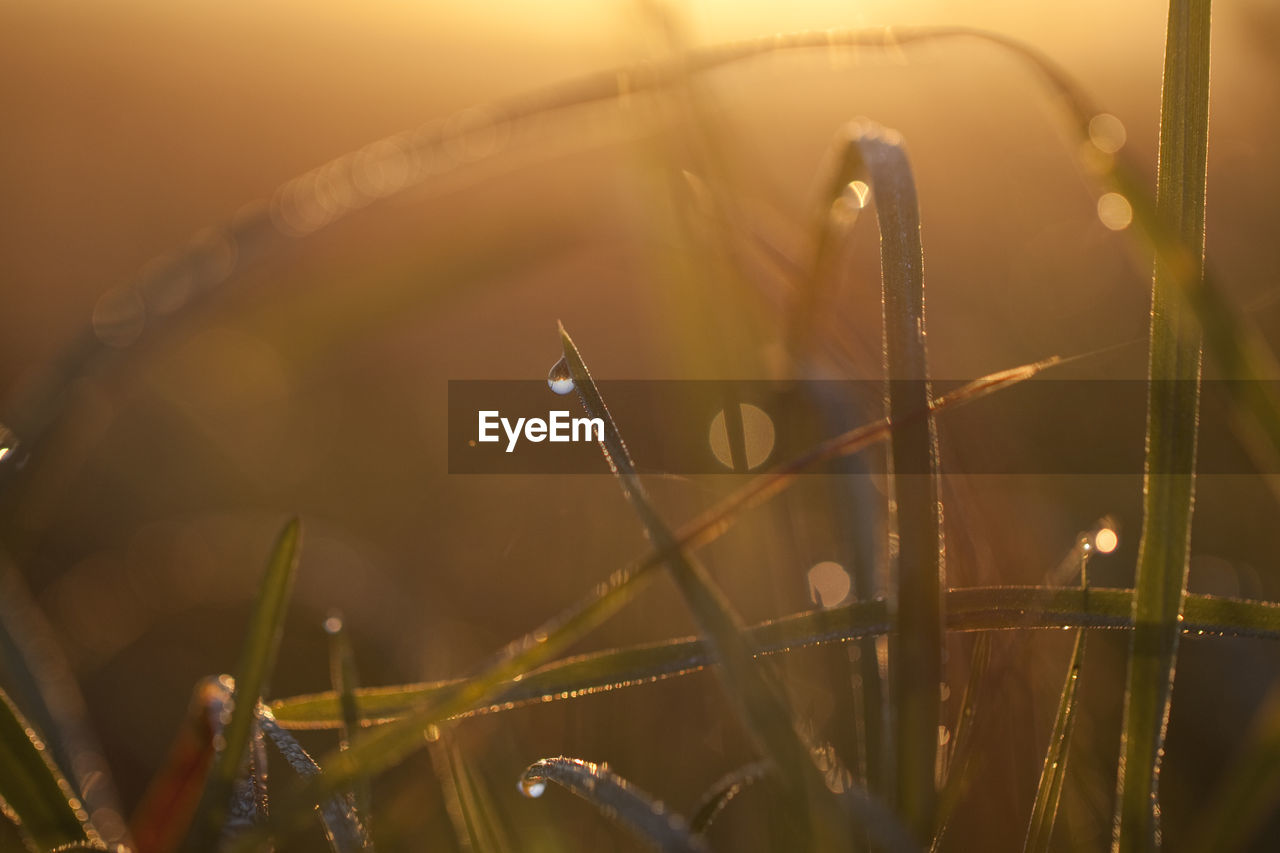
[724, 790]
[915, 660]
[1054, 772]
[33, 789]
[1173, 410]
[617, 799]
[760, 701]
[257, 660]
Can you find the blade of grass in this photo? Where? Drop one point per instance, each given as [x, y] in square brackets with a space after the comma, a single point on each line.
[469, 806]
[759, 700]
[343, 827]
[257, 660]
[916, 645]
[32, 787]
[1054, 772]
[1173, 411]
[959, 762]
[345, 680]
[724, 790]
[615, 798]
[975, 609]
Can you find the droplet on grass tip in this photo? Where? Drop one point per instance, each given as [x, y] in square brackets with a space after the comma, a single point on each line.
[559, 379]
[531, 788]
[1106, 540]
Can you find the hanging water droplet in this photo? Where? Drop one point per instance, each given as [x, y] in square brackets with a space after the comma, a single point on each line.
[333, 624]
[531, 788]
[560, 380]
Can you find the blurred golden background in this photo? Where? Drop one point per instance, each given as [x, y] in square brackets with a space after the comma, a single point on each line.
[314, 379]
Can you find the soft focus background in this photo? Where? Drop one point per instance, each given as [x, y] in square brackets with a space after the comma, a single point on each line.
[315, 381]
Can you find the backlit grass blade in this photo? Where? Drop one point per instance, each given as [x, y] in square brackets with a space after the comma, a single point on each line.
[257, 660]
[617, 799]
[760, 701]
[724, 790]
[975, 609]
[1173, 410]
[915, 652]
[345, 680]
[385, 746]
[959, 765]
[33, 788]
[343, 828]
[1054, 772]
[470, 808]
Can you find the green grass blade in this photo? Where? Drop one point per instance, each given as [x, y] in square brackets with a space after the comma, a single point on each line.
[724, 790]
[257, 660]
[615, 798]
[345, 680]
[1173, 409]
[1054, 772]
[33, 788]
[468, 803]
[975, 609]
[960, 760]
[759, 701]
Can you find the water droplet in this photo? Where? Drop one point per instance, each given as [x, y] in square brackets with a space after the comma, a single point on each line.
[829, 584]
[757, 433]
[559, 380]
[1106, 540]
[1115, 211]
[333, 624]
[531, 788]
[1107, 133]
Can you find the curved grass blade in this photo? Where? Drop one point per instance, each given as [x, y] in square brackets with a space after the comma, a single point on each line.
[617, 799]
[342, 825]
[915, 658]
[257, 660]
[760, 701]
[33, 788]
[1173, 412]
[345, 680]
[1049, 791]
[725, 789]
[385, 746]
